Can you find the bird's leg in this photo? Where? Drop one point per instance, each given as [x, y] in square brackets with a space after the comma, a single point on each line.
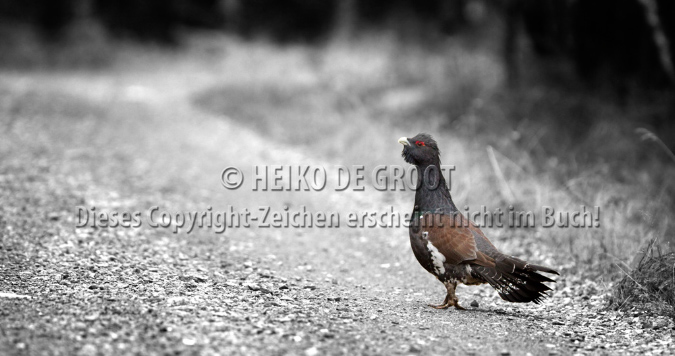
[452, 298]
[446, 303]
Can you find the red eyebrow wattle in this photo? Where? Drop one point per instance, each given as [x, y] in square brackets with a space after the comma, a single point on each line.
[419, 143]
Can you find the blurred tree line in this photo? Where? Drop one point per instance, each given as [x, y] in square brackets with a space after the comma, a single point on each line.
[628, 41]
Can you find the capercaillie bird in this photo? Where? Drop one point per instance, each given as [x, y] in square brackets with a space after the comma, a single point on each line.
[451, 247]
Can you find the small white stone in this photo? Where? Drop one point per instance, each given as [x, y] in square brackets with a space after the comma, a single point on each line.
[13, 295]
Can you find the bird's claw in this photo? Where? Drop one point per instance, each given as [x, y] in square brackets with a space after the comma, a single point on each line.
[447, 303]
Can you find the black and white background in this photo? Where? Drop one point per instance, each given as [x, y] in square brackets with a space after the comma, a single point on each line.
[128, 114]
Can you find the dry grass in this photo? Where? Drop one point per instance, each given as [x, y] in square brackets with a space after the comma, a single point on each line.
[651, 283]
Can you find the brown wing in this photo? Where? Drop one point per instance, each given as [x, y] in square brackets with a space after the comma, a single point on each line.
[454, 237]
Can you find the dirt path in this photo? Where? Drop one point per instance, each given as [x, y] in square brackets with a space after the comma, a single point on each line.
[133, 138]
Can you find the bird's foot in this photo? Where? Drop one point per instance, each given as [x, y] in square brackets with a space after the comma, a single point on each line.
[450, 298]
[455, 302]
[447, 303]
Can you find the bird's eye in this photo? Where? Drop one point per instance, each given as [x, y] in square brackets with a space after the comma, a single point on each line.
[419, 143]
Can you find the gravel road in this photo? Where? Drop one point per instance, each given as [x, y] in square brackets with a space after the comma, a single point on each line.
[131, 138]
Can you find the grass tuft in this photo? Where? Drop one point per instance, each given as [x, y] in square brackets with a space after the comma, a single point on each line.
[650, 285]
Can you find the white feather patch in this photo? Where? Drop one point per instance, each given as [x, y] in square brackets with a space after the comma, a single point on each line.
[468, 269]
[437, 258]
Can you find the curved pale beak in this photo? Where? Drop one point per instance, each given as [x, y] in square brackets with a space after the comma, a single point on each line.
[404, 141]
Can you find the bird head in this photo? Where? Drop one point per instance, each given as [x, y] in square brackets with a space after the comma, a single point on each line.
[420, 150]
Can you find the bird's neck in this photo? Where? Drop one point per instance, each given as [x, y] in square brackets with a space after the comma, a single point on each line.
[432, 193]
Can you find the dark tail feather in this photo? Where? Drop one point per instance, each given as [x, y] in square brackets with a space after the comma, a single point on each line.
[543, 269]
[516, 280]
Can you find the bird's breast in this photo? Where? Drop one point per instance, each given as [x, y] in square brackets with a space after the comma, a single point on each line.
[435, 262]
[424, 253]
